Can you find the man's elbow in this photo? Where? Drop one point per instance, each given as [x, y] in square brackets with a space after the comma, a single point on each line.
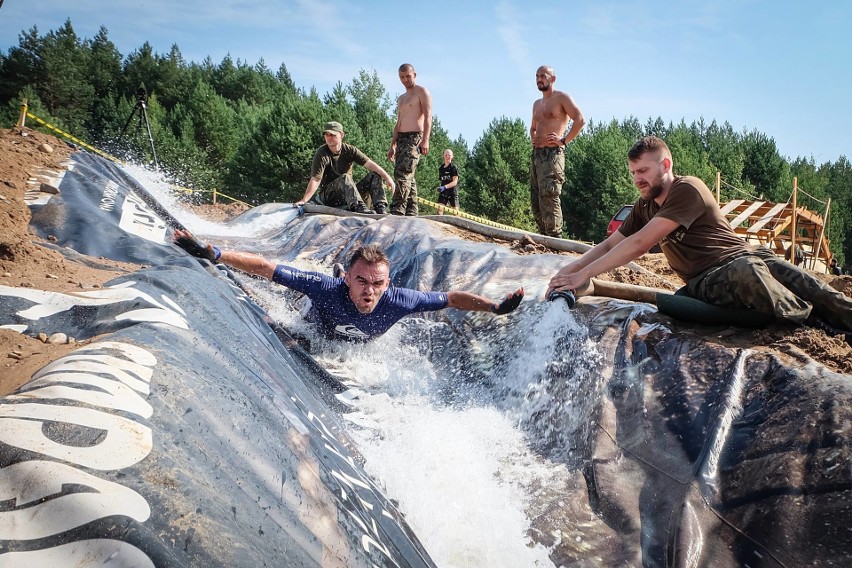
[642, 246]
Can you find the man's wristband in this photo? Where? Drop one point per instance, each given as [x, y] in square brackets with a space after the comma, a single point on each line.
[216, 253]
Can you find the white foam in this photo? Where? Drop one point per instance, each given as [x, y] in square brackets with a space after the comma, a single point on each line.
[446, 467]
[163, 191]
[460, 474]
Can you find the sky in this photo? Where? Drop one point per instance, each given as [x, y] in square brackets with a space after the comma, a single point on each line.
[781, 67]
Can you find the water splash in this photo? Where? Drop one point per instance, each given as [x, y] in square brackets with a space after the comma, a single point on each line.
[162, 190]
[460, 430]
[447, 469]
[551, 382]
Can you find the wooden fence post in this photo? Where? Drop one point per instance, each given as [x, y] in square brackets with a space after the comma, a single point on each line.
[23, 118]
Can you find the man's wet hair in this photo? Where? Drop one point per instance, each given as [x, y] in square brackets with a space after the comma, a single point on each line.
[371, 254]
[649, 144]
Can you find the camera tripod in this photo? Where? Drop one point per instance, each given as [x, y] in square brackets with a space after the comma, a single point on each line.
[141, 108]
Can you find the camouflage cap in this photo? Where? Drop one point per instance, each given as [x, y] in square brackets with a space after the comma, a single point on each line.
[333, 126]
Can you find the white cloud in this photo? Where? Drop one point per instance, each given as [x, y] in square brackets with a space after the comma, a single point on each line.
[512, 33]
[331, 24]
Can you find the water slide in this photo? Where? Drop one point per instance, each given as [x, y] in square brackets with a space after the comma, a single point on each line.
[206, 423]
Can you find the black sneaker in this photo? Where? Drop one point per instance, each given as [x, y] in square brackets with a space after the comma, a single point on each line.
[361, 208]
[381, 209]
[337, 270]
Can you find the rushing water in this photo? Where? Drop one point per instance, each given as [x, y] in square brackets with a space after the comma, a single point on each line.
[461, 437]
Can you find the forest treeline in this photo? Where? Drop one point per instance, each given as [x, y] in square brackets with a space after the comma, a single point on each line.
[251, 132]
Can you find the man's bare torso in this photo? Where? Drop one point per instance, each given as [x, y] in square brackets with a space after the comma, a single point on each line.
[411, 114]
[549, 115]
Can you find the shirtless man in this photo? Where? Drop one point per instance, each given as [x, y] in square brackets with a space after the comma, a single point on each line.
[410, 140]
[550, 118]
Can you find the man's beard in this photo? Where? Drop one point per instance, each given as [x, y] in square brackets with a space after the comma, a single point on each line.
[656, 190]
[543, 88]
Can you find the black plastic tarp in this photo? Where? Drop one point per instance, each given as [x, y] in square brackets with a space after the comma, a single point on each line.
[185, 433]
[689, 452]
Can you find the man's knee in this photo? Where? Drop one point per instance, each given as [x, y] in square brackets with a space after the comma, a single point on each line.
[403, 170]
[747, 271]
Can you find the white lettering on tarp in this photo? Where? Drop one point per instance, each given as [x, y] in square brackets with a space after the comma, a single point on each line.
[133, 353]
[132, 374]
[360, 486]
[51, 303]
[367, 542]
[45, 507]
[108, 198]
[47, 495]
[92, 552]
[111, 394]
[126, 442]
[140, 220]
[95, 368]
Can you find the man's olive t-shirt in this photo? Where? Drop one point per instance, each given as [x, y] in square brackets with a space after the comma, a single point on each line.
[704, 237]
[327, 167]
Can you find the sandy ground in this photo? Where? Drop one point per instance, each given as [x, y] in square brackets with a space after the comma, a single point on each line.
[25, 155]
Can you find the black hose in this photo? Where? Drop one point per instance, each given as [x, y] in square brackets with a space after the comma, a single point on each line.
[566, 295]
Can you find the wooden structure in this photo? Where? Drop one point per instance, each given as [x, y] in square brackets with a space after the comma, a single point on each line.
[780, 226]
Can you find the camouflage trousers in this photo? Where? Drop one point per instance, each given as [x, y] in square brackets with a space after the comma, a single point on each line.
[772, 286]
[405, 186]
[547, 174]
[344, 191]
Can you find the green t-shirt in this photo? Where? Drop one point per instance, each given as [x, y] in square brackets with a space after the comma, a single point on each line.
[704, 237]
[327, 167]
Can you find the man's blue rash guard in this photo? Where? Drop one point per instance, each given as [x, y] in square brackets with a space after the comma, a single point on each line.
[337, 315]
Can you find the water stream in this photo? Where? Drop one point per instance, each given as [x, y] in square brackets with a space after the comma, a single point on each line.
[460, 436]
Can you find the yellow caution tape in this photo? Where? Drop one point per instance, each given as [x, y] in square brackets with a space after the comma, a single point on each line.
[459, 213]
[91, 148]
[73, 138]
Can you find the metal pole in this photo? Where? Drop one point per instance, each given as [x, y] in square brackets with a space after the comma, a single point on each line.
[150, 137]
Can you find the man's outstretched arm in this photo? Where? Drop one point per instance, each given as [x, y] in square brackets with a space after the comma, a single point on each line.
[474, 302]
[247, 262]
[617, 250]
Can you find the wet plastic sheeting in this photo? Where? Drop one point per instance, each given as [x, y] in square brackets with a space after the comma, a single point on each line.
[98, 214]
[701, 455]
[715, 457]
[688, 453]
[184, 435]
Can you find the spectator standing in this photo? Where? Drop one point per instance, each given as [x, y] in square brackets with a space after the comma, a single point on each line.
[550, 117]
[448, 192]
[410, 140]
